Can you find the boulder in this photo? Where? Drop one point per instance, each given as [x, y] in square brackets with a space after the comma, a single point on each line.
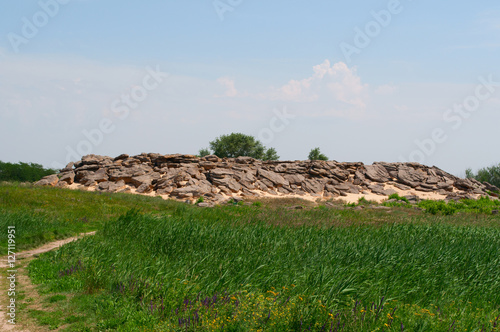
[410, 177]
[275, 178]
[197, 190]
[377, 173]
[144, 179]
[228, 183]
[313, 186]
[93, 177]
[144, 188]
[68, 177]
[49, 180]
[122, 157]
[490, 187]
[464, 184]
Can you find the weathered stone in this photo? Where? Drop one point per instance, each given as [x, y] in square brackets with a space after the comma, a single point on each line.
[98, 176]
[312, 186]
[68, 168]
[144, 188]
[193, 191]
[92, 159]
[294, 178]
[331, 189]
[428, 186]
[68, 177]
[144, 179]
[410, 177]
[229, 183]
[284, 190]
[412, 198]
[62, 184]
[125, 173]
[490, 187]
[122, 157]
[401, 186]
[464, 184]
[186, 177]
[90, 167]
[275, 178]
[342, 187]
[204, 204]
[221, 173]
[212, 158]
[432, 180]
[261, 185]
[377, 173]
[389, 192]
[244, 160]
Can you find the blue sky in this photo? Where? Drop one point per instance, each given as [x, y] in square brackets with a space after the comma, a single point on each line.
[241, 67]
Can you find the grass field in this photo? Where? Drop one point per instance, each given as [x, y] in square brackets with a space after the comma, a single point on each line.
[166, 266]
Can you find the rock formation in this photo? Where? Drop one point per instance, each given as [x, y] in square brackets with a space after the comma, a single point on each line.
[187, 177]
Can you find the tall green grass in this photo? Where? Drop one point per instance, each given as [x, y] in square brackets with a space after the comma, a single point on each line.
[218, 270]
[43, 214]
[32, 230]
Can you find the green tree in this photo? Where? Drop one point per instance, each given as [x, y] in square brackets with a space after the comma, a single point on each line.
[23, 172]
[237, 144]
[204, 152]
[271, 154]
[315, 154]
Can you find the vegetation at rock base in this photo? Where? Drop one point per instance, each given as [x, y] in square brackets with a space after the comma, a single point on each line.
[236, 145]
[23, 172]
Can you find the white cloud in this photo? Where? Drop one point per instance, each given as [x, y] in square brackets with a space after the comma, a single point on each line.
[228, 84]
[332, 90]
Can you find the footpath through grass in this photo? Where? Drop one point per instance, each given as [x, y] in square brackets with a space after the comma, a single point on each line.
[250, 268]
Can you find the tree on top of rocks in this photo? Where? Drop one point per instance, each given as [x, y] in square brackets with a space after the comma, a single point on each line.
[315, 154]
[204, 152]
[237, 145]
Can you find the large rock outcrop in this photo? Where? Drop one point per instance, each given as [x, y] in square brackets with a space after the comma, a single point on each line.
[186, 177]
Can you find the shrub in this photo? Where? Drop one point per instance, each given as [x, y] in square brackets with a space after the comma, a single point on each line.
[399, 198]
[315, 154]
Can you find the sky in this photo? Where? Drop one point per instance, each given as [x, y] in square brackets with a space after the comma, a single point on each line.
[362, 80]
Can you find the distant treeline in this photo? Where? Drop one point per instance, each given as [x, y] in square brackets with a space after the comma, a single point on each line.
[488, 174]
[23, 172]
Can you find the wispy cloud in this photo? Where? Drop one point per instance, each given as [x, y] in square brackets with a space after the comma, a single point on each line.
[228, 84]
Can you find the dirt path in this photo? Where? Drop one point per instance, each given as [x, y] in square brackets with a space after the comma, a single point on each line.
[21, 277]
